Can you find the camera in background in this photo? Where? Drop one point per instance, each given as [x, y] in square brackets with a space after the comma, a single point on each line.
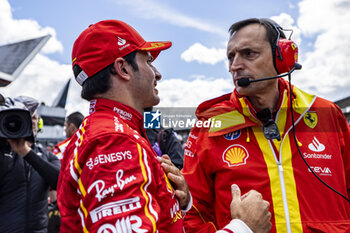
[15, 121]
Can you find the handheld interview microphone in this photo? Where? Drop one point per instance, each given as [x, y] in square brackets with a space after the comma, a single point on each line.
[244, 82]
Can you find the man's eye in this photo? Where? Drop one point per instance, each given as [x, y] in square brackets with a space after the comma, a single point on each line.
[250, 53]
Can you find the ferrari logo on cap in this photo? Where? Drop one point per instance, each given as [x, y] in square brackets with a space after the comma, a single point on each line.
[235, 155]
[310, 119]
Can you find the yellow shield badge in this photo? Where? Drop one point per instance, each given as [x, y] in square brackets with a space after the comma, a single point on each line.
[235, 155]
[310, 119]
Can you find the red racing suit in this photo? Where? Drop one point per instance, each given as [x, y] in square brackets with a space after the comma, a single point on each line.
[60, 147]
[110, 180]
[237, 152]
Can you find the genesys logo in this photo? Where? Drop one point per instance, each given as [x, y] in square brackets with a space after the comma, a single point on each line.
[322, 171]
[316, 146]
[109, 158]
[130, 224]
[115, 208]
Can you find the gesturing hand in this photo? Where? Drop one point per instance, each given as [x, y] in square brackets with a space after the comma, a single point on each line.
[251, 209]
[182, 191]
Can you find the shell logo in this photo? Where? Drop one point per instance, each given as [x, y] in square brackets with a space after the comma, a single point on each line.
[235, 155]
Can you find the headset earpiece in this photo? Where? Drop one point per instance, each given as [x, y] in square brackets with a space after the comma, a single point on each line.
[285, 51]
[288, 52]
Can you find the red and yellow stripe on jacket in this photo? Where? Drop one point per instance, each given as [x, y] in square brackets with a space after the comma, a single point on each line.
[238, 153]
[60, 147]
[110, 180]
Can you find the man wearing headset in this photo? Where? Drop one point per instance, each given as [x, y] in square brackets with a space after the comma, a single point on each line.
[255, 147]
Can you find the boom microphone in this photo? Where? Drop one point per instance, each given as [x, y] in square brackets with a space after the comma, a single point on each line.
[244, 82]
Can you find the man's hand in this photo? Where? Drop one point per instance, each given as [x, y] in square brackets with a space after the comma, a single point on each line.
[251, 209]
[20, 146]
[182, 191]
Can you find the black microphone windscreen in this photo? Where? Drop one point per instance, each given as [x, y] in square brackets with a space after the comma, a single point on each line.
[297, 66]
[264, 115]
[243, 82]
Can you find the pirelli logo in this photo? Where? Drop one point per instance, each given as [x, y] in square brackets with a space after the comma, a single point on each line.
[115, 208]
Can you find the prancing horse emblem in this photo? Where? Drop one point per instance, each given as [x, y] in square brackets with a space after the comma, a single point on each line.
[310, 119]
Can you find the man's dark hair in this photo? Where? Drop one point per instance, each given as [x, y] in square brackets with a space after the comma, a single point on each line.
[272, 29]
[100, 82]
[76, 118]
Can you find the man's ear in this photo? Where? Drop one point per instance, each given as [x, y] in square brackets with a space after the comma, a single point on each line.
[122, 68]
[72, 128]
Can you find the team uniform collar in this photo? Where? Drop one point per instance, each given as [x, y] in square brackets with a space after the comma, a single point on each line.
[282, 87]
[236, 112]
[128, 114]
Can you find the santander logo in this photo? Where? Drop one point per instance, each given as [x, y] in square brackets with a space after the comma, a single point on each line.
[121, 41]
[316, 146]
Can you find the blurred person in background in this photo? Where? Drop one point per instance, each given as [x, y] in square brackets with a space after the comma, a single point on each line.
[71, 125]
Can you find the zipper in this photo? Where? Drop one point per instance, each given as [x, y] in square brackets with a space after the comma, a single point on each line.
[283, 187]
[284, 197]
[280, 169]
[281, 176]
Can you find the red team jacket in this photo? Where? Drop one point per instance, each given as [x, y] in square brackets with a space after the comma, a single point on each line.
[60, 147]
[236, 152]
[110, 180]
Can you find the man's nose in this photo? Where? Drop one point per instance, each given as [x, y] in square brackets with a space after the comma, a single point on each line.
[157, 74]
[236, 64]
